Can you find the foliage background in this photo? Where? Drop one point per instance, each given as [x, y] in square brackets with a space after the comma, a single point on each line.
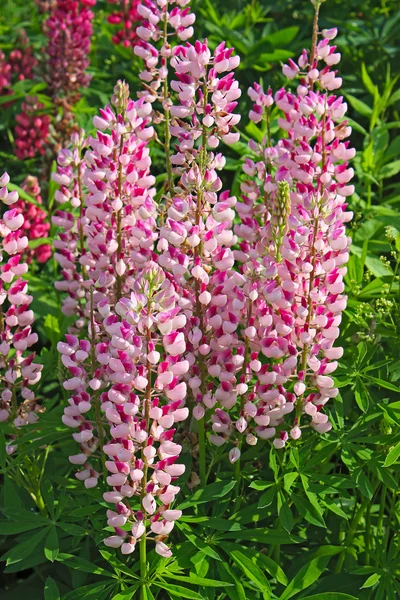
[294, 519]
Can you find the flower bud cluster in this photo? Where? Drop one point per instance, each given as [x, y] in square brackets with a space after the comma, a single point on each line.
[32, 130]
[126, 17]
[69, 31]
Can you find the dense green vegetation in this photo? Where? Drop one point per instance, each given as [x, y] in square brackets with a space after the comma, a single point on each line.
[318, 520]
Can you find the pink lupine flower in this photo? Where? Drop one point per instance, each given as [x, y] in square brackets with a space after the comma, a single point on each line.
[32, 130]
[21, 59]
[35, 224]
[18, 372]
[17, 67]
[293, 257]
[69, 245]
[126, 18]
[130, 314]
[69, 30]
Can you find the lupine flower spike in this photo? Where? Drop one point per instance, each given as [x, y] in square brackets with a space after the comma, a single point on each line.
[18, 371]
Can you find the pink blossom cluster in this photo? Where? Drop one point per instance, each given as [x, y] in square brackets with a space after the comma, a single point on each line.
[32, 130]
[230, 307]
[17, 67]
[69, 31]
[197, 239]
[36, 225]
[69, 245]
[126, 17]
[18, 371]
[120, 381]
[292, 251]
[157, 25]
[5, 75]
[22, 59]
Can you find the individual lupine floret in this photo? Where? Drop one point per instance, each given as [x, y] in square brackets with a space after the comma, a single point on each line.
[18, 372]
[146, 399]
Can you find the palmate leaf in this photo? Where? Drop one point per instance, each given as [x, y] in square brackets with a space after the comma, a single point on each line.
[307, 575]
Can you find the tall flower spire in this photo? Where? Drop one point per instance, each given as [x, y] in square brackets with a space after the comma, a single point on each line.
[18, 371]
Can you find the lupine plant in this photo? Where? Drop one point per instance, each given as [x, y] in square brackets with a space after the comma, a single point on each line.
[180, 365]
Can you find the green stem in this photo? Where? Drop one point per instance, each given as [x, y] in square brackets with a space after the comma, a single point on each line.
[367, 535]
[96, 398]
[143, 567]
[199, 311]
[202, 452]
[382, 509]
[146, 414]
[352, 531]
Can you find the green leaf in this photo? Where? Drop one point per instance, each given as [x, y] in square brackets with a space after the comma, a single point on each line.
[52, 328]
[195, 580]
[364, 484]
[390, 170]
[367, 81]
[51, 591]
[385, 384]
[51, 548]
[372, 580]
[306, 576]
[81, 564]
[286, 517]
[8, 528]
[178, 590]
[260, 485]
[309, 511]
[267, 498]
[21, 551]
[289, 479]
[359, 106]
[211, 492]
[267, 536]
[251, 570]
[127, 594]
[331, 596]
[202, 546]
[94, 591]
[393, 456]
